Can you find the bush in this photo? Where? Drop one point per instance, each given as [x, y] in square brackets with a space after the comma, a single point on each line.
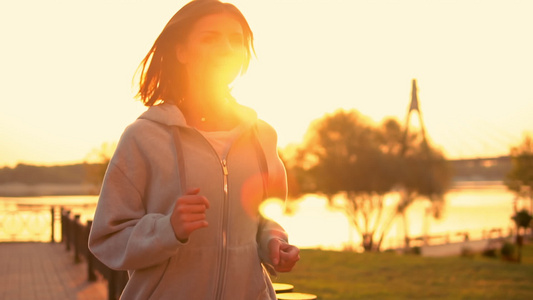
[508, 251]
[490, 252]
[416, 250]
[467, 252]
[522, 219]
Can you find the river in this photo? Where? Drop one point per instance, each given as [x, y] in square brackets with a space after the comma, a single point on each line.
[473, 207]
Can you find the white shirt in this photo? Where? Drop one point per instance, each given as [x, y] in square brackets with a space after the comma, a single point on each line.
[221, 140]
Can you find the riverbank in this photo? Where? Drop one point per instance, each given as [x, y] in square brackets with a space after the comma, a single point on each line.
[17, 189]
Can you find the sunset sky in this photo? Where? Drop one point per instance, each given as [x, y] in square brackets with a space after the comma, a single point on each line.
[67, 67]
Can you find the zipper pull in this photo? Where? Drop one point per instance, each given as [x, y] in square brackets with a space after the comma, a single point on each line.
[225, 167]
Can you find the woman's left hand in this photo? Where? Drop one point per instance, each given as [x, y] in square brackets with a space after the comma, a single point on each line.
[282, 255]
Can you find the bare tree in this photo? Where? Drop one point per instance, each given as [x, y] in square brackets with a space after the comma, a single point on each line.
[345, 153]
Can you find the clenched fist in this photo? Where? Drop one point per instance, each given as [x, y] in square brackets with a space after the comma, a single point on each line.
[189, 214]
[282, 255]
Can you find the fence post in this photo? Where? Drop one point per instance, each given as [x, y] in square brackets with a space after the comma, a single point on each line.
[65, 224]
[91, 276]
[116, 281]
[75, 238]
[53, 212]
[62, 224]
[112, 285]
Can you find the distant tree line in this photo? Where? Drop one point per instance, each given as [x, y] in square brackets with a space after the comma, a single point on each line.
[65, 174]
[91, 171]
[496, 169]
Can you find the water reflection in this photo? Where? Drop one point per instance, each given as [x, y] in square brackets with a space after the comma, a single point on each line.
[311, 221]
[475, 209]
[30, 218]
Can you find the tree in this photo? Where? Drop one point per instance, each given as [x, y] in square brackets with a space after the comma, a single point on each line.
[520, 181]
[298, 180]
[523, 221]
[424, 173]
[345, 153]
[520, 178]
[96, 163]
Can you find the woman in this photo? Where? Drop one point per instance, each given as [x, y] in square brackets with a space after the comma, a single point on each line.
[179, 204]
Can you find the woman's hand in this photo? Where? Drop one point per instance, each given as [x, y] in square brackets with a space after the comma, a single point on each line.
[282, 255]
[189, 214]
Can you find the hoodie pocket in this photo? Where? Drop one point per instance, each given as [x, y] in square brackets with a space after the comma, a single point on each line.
[245, 277]
[189, 275]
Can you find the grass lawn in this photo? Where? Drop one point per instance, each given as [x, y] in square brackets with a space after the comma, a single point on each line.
[348, 275]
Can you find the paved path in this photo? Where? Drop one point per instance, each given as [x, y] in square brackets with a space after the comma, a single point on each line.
[45, 271]
[451, 249]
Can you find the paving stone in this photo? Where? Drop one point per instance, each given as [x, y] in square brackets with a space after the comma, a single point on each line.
[45, 271]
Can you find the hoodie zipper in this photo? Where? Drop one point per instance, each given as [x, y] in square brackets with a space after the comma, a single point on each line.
[223, 250]
[224, 242]
[225, 210]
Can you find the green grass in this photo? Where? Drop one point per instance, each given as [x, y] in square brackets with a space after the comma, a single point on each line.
[347, 275]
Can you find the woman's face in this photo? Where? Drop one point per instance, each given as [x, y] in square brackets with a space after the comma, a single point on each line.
[214, 51]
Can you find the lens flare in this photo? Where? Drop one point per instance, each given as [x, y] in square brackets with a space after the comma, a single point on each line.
[272, 208]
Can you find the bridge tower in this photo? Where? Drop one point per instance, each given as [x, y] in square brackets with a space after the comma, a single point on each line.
[414, 106]
[426, 160]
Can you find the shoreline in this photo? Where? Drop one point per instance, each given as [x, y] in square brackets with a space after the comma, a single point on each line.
[47, 189]
[17, 189]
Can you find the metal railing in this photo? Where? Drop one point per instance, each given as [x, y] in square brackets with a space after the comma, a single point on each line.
[27, 223]
[75, 236]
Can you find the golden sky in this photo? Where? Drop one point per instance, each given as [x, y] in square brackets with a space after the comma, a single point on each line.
[67, 67]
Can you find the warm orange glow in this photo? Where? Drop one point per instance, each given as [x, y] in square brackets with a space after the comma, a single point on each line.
[70, 87]
[272, 208]
[251, 196]
[313, 225]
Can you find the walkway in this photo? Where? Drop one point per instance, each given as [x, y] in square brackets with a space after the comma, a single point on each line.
[45, 271]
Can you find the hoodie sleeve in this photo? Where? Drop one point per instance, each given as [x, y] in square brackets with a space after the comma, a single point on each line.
[123, 235]
[277, 185]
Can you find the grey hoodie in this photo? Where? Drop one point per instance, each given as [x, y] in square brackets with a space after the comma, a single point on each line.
[131, 228]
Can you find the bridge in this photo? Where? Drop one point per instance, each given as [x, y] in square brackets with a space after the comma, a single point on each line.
[481, 169]
[470, 169]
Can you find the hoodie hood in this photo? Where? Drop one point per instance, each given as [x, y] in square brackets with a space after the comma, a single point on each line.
[166, 113]
[171, 115]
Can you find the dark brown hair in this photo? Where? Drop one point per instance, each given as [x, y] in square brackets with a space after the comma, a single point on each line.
[162, 77]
